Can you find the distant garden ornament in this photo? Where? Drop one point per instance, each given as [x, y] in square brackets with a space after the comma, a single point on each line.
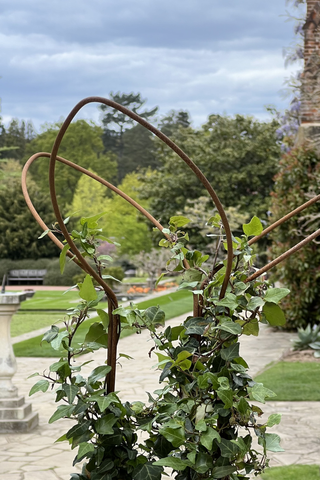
[194, 423]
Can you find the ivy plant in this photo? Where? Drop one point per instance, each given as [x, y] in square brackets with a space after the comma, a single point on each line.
[202, 420]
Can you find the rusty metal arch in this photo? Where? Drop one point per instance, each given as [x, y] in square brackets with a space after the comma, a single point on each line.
[114, 320]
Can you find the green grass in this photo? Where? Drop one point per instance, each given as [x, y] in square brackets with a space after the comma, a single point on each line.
[135, 280]
[27, 322]
[173, 304]
[293, 381]
[50, 300]
[293, 472]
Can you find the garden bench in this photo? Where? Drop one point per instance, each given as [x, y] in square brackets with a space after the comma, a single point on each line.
[22, 277]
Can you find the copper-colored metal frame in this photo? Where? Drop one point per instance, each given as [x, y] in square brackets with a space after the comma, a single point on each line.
[74, 253]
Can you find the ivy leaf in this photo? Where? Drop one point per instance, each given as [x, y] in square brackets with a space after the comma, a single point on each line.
[230, 327]
[87, 290]
[274, 419]
[228, 448]
[56, 342]
[274, 314]
[61, 412]
[203, 462]
[255, 302]
[173, 462]
[260, 393]
[271, 442]
[208, 437]
[71, 391]
[221, 472]
[201, 426]
[253, 228]
[77, 430]
[155, 315]
[98, 373]
[40, 386]
[84, 449]
[104, 424]
[274, 295]
[50, 334]
[226, 396]
[147, 471]
[231, 352]
[62, 258]
[176, 436]
[229, 301]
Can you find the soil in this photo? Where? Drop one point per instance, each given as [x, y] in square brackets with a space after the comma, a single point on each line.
[300, 356]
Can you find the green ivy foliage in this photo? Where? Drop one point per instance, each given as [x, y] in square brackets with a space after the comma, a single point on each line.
[298, 180]
[201, 421]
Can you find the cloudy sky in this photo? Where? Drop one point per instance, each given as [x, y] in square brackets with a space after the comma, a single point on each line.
[204, 56]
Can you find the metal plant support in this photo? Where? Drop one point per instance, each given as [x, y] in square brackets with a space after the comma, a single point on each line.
[75, 254]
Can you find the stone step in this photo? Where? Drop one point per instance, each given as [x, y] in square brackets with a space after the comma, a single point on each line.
[14, 402]
[19, 425]
[15, 413]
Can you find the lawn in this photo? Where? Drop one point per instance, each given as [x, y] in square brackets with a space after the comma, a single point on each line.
[173, 304]
[50, 300]
[293, 472]
[293, 381]
[27, 322]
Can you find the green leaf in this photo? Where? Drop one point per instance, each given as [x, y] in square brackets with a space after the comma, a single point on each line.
[179, 221]
[243, 406]
[274, 419]
[253, 228]
[208, 437]
[274, 295]
[97, 334]
[155, 315]
[56, 342]
[203, 462]
[255, 302]
[221, 472]
[228, 448]
[43, 234]
[274, 315]
[62, 367]
[105, 257]
[71, 391]
[104, 424]
[40, 386]
[87, 290]
[173, 462]
[97, 373]
[201, 426]
[260, 393]
[176, 436]
[110, 277]
[147, 471]
[84, 449]
[251, 328]
[231, 352]
[77, 430]
[92, 222]
[61, 412]
[230, 326]
[271, 442]
[104, 317]
[62, 258]
[50, 334]
[226, 396]
[229, 301]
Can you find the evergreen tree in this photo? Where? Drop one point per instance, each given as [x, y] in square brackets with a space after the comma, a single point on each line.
[116, 136]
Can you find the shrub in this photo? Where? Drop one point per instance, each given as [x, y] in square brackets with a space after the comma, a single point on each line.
[6, 264]
[54, 277]
[298, 180]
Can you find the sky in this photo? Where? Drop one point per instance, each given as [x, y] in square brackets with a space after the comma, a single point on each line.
[202, 56]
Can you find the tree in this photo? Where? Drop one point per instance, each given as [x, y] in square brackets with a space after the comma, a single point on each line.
[173, 121]
[123, 222]
[19, 231]
[89, 197]
[132, 149]
[15, 137]
[82, 145]
[238, 155]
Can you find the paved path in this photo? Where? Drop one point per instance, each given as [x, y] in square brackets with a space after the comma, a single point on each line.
[28, 456]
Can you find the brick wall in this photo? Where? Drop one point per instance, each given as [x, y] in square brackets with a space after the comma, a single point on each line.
[310, 107]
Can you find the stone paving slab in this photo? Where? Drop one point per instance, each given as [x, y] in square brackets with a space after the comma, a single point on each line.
[35, 456]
